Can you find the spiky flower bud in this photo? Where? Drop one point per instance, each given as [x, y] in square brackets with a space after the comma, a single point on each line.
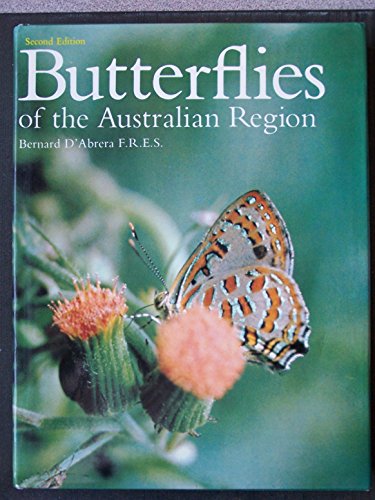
[200, 358]
[94, 320]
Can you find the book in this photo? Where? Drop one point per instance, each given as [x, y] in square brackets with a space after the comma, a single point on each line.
[243, 146]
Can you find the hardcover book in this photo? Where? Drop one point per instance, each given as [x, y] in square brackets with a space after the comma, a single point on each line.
[191, 256]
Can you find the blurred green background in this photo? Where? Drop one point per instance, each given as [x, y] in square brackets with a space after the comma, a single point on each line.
[308, 428]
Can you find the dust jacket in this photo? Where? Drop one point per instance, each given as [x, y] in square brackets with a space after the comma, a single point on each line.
[233, 156]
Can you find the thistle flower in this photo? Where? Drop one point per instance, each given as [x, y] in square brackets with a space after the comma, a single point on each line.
[91, 311]
[101, 377]
[200, 352]
[200, 358]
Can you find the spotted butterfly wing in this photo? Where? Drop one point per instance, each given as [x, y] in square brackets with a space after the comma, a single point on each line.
[243, 269]
[267, 308]
[250, 231]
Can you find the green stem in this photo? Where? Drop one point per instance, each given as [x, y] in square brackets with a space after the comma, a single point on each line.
[123, 422]
[136, 431]
[58, 273]
[175, 439]
[64, 260]
[93, 424]
[29, 417]
[161, 439]
[103, 428]
[55, 476]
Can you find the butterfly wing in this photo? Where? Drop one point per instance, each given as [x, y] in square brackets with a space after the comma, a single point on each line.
[250, 231]
[266, 306]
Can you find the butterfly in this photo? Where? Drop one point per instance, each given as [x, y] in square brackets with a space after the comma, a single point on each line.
[243, 269]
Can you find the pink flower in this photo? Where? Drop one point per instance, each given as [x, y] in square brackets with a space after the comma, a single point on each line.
[200, 352]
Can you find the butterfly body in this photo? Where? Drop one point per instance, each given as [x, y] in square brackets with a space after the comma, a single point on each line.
[243, 269]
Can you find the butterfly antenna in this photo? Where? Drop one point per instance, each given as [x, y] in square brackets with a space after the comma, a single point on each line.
[144, 256]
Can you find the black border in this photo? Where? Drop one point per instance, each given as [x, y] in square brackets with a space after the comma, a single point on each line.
[7, 23]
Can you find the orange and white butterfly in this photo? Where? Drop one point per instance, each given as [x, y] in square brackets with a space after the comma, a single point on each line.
[243, 269]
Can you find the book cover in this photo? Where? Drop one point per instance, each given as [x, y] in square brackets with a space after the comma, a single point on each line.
[191, 256]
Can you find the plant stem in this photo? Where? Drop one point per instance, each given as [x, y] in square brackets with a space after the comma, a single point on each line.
[64, 260]
[29, 417]
[62, 277]
[55, 476]
[135, 431]
[103, 429]
[94, 424]
[90, 423]
[174, 440]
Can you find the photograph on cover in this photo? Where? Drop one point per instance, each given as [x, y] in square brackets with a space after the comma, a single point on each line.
[191, 256]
